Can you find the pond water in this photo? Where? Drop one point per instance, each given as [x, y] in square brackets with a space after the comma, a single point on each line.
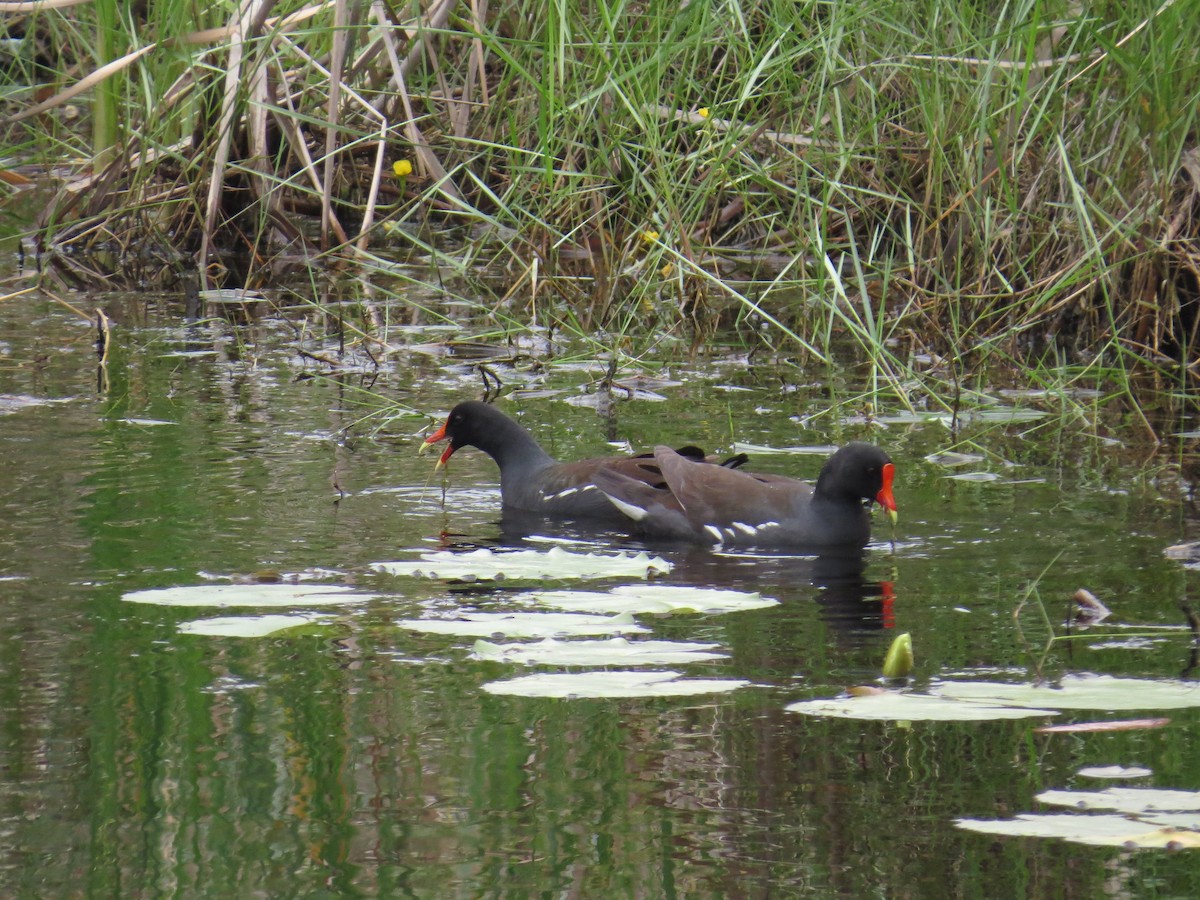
[357, 757]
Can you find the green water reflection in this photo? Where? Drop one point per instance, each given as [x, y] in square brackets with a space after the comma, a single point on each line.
[358, 759]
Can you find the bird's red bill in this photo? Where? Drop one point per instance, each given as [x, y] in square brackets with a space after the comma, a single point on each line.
[884, 498]
[439, 435]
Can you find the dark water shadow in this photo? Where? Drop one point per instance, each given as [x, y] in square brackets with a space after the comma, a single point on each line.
[835, 581]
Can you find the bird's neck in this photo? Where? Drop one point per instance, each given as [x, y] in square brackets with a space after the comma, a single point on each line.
[515, 450]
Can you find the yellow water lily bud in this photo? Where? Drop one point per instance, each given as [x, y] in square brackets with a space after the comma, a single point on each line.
[899, 660]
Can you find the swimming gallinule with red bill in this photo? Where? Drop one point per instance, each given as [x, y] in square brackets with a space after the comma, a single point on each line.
[532, 481]
[713, 505]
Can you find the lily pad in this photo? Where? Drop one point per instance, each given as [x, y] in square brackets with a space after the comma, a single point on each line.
[761, 449]
[530, 625]
[1189, 551]
[1024, 393]
[1010, 414]
[897, 706]
[953, 458]
[619, 683]
[1108, 725]
[1130, 643]
[245, 626]
[1142, 817]
[10, 403]
[654, 598]
[908, 418]
[615, 651]
[553, 539]
[1080, 692]
[232, 295]
[985, 700]
[1130, 800]
[1115, 772]
[1096, 830]
[486, 565]
[599, 400]
[221, 596]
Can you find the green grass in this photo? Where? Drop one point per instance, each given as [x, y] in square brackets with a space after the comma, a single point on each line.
[985, 183]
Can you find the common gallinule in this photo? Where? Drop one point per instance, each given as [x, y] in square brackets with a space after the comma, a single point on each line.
[532, 481]
[720, 506]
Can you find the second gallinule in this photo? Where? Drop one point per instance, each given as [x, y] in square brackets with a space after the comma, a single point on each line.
[532, 481]
[714, 505]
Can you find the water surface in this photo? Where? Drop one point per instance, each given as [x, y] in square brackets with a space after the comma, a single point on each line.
[362, 759]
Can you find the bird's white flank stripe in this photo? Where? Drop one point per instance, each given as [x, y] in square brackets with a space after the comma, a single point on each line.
[634, 512]
[567, 492]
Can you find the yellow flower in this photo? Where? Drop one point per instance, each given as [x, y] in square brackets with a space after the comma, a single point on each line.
[702, 112]
[649, 236]
[402, 167]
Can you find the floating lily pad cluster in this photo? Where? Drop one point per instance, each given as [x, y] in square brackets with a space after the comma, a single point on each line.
[981, 700]
[597, 635]
[1132, 817]
[1142, 817]
[486, 565]
[554, 614]
[261, 596]
[562, 628]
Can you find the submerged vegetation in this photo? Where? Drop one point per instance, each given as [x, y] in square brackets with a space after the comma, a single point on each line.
[947, 182]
